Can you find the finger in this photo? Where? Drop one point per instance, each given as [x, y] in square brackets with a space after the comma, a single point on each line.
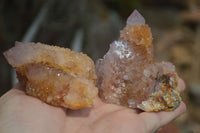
[10, 97]
[181, 84]
[154, 121]
[17, 96]
[12, 93]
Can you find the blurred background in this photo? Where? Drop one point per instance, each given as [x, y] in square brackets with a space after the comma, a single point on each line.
[91, 25]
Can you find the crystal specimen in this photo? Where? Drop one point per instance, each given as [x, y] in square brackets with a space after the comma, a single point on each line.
[55, 75]
[128, 75]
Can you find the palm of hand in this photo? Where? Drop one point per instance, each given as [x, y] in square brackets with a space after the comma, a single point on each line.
[27, 114]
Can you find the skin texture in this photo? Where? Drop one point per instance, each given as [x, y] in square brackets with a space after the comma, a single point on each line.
[20, 113]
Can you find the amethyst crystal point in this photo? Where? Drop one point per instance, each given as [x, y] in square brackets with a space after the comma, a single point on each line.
[135, 18]
[128, 75]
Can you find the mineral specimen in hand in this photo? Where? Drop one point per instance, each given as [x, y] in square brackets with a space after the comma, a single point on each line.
[55, 75]
[128, 75]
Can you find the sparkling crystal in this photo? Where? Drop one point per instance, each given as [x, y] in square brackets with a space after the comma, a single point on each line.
[128, 75]
[55, 75]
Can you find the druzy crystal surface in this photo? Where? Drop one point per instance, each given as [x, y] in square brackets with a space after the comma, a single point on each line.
[55, 75]
[128, 75]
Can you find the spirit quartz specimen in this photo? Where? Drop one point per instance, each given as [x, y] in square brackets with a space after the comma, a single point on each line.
[57, 76]
[128, 75]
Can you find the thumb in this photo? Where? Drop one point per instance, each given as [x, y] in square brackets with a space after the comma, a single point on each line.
[154, 121]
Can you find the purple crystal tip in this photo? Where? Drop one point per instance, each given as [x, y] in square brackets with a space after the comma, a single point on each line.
[135, 18]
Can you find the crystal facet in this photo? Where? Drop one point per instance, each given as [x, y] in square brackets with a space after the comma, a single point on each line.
[135, 18]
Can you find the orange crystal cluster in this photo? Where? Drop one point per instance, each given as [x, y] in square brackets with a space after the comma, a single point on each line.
[128, 75]
[55, 75]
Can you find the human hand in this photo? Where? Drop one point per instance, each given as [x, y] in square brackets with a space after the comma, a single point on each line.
[21, 113]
